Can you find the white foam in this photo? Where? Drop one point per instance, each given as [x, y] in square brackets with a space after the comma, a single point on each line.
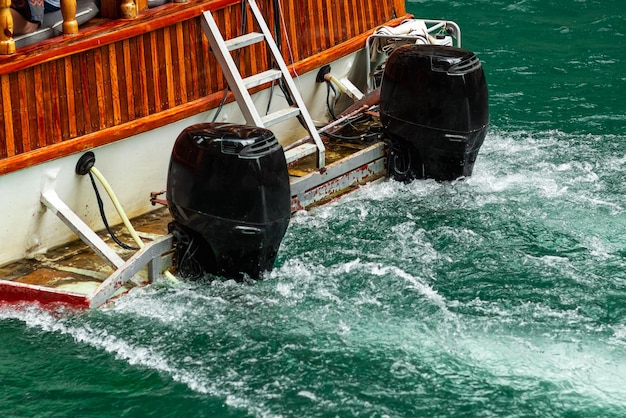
[414, 283]
[586, 368]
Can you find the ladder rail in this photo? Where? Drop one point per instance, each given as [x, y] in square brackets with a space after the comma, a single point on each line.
[230, 71]
[289, 81]
[239, 85]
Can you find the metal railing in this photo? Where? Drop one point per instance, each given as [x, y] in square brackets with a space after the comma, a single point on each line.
[426, 31]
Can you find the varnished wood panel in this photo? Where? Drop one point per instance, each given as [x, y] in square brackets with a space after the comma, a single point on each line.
[8, 144]
[85, 123]
[142, 98]
[85, 95]
[191, 48]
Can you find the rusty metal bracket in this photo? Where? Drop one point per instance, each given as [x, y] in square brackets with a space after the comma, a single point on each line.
[154, 198]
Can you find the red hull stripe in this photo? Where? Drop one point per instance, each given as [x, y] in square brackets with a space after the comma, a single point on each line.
[13, 292]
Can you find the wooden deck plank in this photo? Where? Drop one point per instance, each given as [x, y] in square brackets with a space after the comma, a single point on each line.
[156, 76]
[46, 130]
[39, 109]
[144, 100]
[114, 76]
[128, 80]
[289, 37]
[191, 48]
[72, 272]
[182, 65]
[70, 96]
[85, 94]
[23, 108]
[332, 22]
[167, 63]
[55, 109]
[9, 145]
[99, 88]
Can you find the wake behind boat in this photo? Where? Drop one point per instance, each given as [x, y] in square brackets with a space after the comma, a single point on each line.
[355, 105]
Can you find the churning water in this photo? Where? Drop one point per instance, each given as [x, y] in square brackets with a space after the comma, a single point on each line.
[501, 295]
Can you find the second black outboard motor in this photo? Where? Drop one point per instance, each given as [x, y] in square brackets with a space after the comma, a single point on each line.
[434, 110]
[228, 191]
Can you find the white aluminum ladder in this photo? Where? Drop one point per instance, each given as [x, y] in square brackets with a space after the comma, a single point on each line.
[240, 86]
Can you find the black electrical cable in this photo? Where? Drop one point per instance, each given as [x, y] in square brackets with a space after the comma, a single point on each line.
[269, 102]
[186, 249]
[357, 119]
[221, 105]
[104, 218]
[277, 34]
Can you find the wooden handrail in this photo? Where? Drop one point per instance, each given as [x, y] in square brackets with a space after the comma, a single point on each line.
[7, 44]
[68, 10]
[144, 124]
[128, 9]
[106, 33]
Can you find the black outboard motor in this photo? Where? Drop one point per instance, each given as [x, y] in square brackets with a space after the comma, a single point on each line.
[434, 110]
[228, 191]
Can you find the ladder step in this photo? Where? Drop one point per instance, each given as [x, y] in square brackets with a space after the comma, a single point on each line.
[280, 115]
[240, 87]
[262, 78]
[244, 40]
[300, 151]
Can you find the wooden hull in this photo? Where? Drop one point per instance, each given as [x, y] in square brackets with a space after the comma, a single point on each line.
[120, 78]
[127, 88]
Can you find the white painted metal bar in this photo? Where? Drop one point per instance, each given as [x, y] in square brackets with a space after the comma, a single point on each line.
[149, 255]
[230, 70]
[343, 175]
[280, 115]
[359, 159]
[431, 27]
[244, 40]
[300, 151]
[262, 78]
[69, 218]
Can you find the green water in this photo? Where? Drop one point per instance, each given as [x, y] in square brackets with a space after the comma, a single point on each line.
[504, 295]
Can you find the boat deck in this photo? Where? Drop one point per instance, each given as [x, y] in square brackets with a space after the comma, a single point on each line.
[335, 152]
[76, 268]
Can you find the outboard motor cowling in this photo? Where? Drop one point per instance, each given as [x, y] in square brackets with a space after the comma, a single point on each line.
[228, 192]
[434, 110]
